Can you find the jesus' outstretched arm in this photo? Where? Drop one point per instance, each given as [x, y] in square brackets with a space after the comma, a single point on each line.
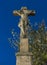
[31, 12]
[15, 12]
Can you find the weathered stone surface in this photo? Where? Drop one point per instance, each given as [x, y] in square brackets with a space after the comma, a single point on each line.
[24, 56]
[23, 60]
[24, 45]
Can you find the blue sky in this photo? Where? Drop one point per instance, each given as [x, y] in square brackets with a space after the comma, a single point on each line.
[9, 21]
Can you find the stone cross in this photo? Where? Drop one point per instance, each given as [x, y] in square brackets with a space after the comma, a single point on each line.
[24, 57]
[23, 24]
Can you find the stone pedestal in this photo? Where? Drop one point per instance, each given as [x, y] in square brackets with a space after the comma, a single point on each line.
[24, 57]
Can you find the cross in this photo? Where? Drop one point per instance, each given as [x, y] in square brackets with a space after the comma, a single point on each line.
[24, 13]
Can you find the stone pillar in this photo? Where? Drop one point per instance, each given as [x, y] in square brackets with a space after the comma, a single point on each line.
[24, 45]
[24, 57]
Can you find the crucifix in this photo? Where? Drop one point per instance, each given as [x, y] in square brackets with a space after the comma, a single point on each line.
[23, 24]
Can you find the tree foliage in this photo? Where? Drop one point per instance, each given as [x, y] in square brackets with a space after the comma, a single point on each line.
[38, 45]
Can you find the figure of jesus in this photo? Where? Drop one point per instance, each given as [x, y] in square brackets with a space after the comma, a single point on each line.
[24, 13]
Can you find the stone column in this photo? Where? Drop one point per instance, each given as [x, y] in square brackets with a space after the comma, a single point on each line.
[24, 57]
[24, 45]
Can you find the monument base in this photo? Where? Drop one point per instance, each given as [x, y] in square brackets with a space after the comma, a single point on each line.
[24, 58]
